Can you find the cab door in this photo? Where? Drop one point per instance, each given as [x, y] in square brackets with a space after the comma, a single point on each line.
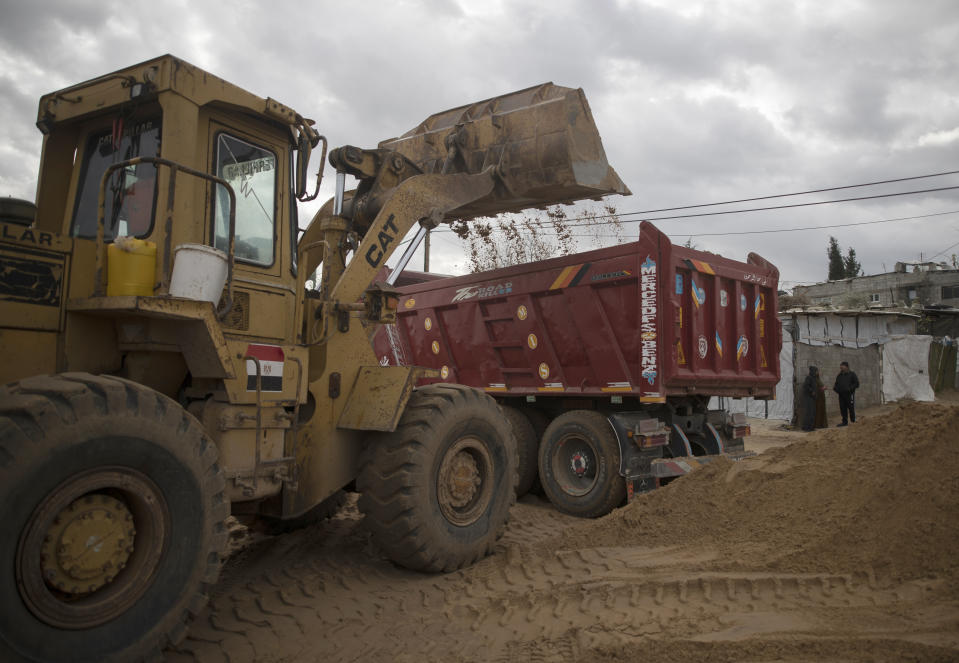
[255, 163]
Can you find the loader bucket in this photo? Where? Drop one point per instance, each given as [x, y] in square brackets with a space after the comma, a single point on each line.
[542, 141]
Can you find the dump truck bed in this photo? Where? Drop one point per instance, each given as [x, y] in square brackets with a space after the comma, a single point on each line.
[647, 319]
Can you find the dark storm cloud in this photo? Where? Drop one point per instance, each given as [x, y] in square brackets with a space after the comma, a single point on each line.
[696, 102]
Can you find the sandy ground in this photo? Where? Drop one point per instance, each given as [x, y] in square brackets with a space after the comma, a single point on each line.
[837, 545]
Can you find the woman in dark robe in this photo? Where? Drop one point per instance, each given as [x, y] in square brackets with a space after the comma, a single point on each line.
[821, 421]
[810, 387]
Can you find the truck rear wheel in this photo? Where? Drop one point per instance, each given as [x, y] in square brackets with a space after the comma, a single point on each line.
[437, 491]
[579, 464]
[113, 508]
[527, 448]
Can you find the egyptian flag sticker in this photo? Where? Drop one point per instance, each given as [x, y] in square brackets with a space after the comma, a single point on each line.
[271, 367]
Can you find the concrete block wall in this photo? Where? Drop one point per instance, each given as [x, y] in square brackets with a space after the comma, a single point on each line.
[864, 361]
[893, 288]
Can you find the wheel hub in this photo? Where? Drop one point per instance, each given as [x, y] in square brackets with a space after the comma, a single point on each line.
[579, 464]
[464, 486]
[463, 479]
[91, 548]
[87, 544]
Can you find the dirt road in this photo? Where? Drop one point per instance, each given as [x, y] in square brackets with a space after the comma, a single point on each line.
[838, 545]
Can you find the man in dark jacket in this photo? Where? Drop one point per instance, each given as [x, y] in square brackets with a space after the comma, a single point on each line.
[810, 387]
[846, 385]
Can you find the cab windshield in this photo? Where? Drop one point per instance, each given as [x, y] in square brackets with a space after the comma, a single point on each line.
[131, 191]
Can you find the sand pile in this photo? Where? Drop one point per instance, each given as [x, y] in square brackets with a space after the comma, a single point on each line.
[882, 494]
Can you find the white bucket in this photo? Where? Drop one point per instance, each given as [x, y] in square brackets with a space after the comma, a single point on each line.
[199, 272]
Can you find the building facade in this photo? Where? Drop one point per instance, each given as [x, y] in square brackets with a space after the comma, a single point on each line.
[911, 284]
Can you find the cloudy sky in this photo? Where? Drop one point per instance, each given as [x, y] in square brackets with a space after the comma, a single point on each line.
[697, 102]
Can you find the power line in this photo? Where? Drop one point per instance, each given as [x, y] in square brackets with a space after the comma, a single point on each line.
[834, 225]
[771, 197]
[944, 250]
[794, 205]
[782, 230]
[801, 193]
[759, 209]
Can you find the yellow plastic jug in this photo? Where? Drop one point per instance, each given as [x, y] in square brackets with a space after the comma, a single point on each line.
[131, 267]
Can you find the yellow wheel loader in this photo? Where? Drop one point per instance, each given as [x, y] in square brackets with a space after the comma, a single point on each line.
[165, 364]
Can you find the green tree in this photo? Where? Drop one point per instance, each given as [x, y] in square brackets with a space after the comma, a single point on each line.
[851, 266]
[837, 266]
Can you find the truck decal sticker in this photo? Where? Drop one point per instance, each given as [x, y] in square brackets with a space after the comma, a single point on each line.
[649, 314]
[543, 370]
[679, 284]
[700, 266]
[757, 306]
[723, 298]
[719, 345]
[435, 347]
[428, 324]
[521, 312]
[742, 302]
[762, 357]
[742, 348]
[610, 275]
[472, 291]
[681, 356]
[699, 294]
[618, 386]
[570, 276]
[271, 359]
[702, 346]
[410, 303]
[532, 341]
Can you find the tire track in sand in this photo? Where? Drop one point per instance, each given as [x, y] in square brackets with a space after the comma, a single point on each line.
[325, 594]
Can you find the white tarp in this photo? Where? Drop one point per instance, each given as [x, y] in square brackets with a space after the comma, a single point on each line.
[905, 365]
[850, 330]
[782, 407]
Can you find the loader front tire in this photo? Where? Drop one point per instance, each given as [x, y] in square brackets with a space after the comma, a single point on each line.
[113, 512]
[437, 491]
[579, 464]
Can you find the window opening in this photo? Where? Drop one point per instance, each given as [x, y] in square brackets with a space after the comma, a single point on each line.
[251, 171]
[131, 191]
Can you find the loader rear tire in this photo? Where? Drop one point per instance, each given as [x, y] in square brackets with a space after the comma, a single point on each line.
[579, 464]
[113, 513]
[527, 448]
[437, 491]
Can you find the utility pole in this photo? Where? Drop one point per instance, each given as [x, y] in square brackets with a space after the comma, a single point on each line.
[426, 252]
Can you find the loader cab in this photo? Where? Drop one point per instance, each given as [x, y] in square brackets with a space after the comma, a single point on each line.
[168, 109]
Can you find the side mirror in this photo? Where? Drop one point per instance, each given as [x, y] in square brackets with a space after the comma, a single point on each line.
[303, 151]
[304, 148]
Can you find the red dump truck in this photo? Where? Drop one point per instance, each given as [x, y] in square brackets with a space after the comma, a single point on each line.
[603, 361]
